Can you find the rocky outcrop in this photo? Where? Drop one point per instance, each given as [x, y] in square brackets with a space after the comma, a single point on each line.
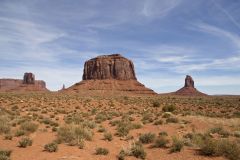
[109, 67]
[28, 83]
[108, 74]
[28, 78]
[189, 89]
[189, 82]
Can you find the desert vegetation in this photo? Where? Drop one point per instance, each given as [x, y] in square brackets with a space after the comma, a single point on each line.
[119, 127]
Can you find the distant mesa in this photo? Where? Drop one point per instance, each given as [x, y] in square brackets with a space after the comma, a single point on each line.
[110, 73]
[28, 83]
[189, 89]
[109, 67]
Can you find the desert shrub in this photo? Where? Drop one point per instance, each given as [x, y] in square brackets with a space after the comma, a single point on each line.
[137, 150]
[177, 145]
[108, 136]
[8, 137]
[81, 144]
[172, 120]
[5, 154]
[101, 129]
[147, 118]
[156, 104]
[163, 133]
[72, 134]
[19, 132]
[166, 115]
[169, 108]
[147, 138]
[51, 147]
[123, 129]
[161, 142]
[121, 155]
[135, 125]
[158, 122]
[24, 142]
[89, 124]
[115, 122]
[237, 134]
[29, 127]
[101, 117]
[219, 130]
[222, 147]
[4, 125]
[101, 151]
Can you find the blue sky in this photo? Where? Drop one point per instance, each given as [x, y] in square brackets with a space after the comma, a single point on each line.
[166, 39]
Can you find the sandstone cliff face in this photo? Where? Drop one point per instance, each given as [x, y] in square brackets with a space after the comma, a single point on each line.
[189, 81]
[189, 89]
[109, 67]
[108, 74]
[27, 84]
[28, 78]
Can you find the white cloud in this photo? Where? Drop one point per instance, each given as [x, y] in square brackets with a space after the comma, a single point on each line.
[218, 32]
[159, 8]
[228, 15]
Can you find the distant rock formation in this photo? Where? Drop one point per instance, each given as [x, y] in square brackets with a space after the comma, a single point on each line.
[109, 67]
[189, 89]
[28, 78]
[27, 84]
[189, 82]
[110, 73]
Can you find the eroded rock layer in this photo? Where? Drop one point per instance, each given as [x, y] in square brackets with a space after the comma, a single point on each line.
[109, 67]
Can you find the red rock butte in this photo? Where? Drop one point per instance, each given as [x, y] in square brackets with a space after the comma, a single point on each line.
[28, 83]
[189, 89]
[110, 73]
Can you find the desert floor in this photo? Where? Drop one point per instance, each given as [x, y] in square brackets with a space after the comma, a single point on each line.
[125, 127]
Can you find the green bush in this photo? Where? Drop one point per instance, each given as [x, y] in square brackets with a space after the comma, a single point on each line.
[161, 142]
[101, 151]
[28, 127]
[177, 145]
[169, 108]
[147, 138]
[5, 154]
[108, 136]
[51, 147]
[24, 142]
